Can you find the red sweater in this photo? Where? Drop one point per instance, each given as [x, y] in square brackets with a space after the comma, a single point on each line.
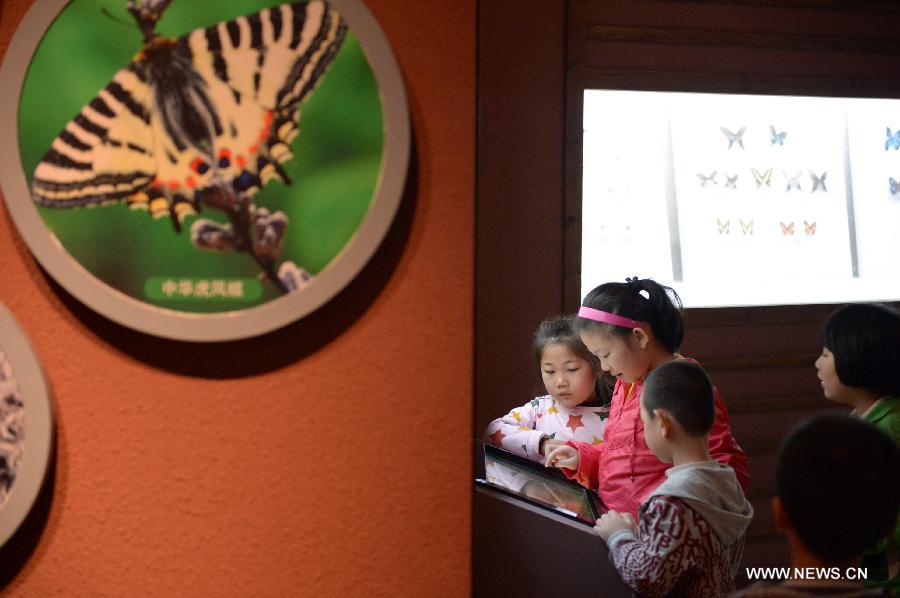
[624, 471]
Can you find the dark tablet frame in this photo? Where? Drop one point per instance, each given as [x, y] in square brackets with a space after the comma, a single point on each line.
[550, 474]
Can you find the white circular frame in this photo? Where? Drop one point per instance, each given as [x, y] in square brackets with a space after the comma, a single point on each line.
[35, 395]
[224, 326]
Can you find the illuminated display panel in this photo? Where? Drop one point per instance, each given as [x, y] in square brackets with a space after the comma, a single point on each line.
[742, 200]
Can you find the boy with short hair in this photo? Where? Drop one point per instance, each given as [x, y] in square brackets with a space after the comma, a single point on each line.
[837, 480]
[691, 534]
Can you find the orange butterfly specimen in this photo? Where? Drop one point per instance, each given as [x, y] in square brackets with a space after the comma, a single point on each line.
[787, 229]
[809, 228]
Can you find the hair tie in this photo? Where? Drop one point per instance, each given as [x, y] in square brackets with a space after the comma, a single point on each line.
[633, 283]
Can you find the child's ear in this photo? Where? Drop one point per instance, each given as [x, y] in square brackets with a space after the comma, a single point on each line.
[782, 523]
[643, 339]
[664, 421]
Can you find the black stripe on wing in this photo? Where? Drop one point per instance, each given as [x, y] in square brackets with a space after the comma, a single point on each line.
[83, 193]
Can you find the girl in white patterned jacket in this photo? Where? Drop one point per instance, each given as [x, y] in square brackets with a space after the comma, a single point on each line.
[577, 403]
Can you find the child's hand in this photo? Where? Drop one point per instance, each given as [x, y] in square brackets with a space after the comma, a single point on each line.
[613, 521]
[563, 456]
[548, 444]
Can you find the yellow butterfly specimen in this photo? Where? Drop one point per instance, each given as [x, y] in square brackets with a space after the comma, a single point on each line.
[765, 178]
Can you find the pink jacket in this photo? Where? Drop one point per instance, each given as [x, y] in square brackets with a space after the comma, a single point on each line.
[624, 471]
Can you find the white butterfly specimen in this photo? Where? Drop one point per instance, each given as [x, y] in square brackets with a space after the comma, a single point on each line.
[731, 181]
[776, 138]
[762, 179]
[202, 120]
[746, 227]
[734, 137]
[793, 182]
[818, 181]
[707, 179]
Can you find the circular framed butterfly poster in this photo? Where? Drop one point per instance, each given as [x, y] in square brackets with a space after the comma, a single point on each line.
[26, 426]
[203, 171]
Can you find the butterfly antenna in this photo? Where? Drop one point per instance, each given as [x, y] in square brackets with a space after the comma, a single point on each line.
[114, 18]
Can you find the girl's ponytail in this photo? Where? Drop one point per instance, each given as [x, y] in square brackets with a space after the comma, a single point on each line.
[644, 300]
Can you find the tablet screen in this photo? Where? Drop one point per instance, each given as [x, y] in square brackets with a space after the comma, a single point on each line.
[537, 484]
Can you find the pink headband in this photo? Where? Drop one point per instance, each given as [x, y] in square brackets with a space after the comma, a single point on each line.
[607, 318]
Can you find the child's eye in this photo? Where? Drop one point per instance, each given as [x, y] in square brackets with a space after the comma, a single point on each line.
[573, 370]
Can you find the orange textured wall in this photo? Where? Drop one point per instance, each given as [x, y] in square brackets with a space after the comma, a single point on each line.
[330, 458]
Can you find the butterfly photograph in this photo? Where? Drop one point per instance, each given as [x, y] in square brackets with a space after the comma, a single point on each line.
[707, 178]
[791, 181]
[734, 138]
[809, 228]
[894, 185]
[787, 230]
[202, 157]
[818, 181]
[762, 178]
[776, 137]
[893, 140]
[731, 181]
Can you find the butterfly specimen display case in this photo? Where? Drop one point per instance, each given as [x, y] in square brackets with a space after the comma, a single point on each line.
[26, 426]
[743, 199]
[203, 171]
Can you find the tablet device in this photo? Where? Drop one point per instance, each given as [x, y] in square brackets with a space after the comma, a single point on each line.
[535, 484]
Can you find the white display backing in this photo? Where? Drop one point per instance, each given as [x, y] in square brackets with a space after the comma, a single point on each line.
[761, 230]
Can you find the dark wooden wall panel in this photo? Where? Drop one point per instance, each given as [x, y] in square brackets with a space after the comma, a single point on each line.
[519, 214]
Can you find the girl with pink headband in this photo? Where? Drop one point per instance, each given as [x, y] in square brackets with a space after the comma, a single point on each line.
[633, 327]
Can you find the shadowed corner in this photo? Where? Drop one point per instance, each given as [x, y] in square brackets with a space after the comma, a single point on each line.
[22, 544]
[279, 348]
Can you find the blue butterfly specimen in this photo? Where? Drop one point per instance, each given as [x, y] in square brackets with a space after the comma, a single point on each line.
[730, 181]
[777, 138]
[793, 182]
[893, 140]
[706, 179]
[765, 178]
[895, 186]
[818, 181]
[734, 137]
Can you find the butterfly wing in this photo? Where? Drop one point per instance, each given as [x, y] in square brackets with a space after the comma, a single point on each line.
[275, 59]
[105, 154]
